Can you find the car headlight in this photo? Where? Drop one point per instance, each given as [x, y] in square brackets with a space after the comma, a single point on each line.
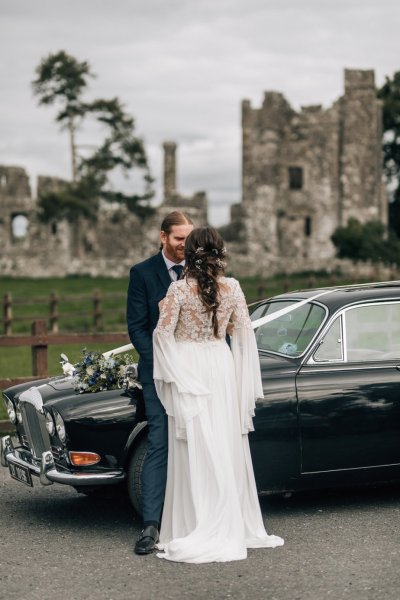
[60, 427]
[50, 425]
[12, 415]
[19, 414]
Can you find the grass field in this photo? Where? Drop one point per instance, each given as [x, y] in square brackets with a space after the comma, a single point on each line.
[31, 297]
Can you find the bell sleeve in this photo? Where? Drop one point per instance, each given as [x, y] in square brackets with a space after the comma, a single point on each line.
[181, 393]
[246, 360]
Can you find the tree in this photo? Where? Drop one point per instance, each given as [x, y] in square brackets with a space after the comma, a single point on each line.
[62, 79]
[370, 241]
[389, 93]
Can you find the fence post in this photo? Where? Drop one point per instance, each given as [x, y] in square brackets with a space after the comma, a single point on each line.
[311, 282]
[53, 312]
[7, 314]
[97, 312]
[261, 293]
[286, 284]
[39, 349]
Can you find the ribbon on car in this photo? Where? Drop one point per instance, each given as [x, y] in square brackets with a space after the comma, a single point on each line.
[255, 324]
[284, 311]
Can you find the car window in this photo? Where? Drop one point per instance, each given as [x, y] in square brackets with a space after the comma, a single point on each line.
[362, 333]
[372, 332]
[289, 334]
[331, 345]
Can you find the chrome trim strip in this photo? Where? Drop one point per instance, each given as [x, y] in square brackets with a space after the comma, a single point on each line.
[366, 468]
[5, 448]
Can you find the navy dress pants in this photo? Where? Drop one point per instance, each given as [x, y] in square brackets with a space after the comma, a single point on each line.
[154, 473]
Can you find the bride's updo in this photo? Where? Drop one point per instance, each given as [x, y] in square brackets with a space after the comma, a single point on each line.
[204, 256]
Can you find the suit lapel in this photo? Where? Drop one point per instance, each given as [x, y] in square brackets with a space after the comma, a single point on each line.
[162, 271]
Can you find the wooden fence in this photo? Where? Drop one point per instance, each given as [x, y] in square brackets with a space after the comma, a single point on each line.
[96, 313]
[39, 342]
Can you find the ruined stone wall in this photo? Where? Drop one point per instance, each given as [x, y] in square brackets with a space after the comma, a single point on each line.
[304, 173]
[362, 194]
[106, 247]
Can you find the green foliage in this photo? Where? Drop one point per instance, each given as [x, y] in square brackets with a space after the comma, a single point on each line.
[75, 200]
[389, 93]
[62, 79]
[370, 241]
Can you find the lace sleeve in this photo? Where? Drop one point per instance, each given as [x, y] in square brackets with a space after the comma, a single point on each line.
[240, 315]
[169, 312]
[246, 360]
[182, 394]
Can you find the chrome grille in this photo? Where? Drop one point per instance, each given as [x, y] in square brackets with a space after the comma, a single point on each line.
[56, 452]
[34, 422]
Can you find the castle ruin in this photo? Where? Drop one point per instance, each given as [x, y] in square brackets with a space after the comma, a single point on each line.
[303, 174]
[306, 173]
[106, 247]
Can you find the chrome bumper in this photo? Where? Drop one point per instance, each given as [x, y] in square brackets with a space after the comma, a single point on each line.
[47, 471]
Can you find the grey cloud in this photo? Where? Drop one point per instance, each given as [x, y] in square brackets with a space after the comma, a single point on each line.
[182, 68]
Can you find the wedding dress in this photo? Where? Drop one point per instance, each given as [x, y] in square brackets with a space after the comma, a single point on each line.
[211, 509]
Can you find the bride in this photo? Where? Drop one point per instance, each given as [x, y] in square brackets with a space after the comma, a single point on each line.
[211, 509]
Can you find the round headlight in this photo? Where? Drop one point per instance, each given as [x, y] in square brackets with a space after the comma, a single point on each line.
[11, 412]
[60, 427]
[50, 426]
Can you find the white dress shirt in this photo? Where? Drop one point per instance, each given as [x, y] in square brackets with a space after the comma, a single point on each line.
[171, 264]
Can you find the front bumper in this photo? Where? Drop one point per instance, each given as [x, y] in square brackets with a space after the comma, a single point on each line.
[47, 470]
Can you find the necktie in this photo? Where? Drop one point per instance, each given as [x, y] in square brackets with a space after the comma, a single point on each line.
[178, 270]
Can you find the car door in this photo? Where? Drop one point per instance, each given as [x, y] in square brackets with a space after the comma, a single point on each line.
[349, 392]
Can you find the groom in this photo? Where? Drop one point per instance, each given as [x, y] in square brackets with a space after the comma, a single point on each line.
[148, 284]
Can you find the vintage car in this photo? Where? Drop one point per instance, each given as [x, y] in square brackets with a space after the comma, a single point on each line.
[330, 414]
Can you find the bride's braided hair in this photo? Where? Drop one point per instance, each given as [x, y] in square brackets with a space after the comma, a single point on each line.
[204, 255]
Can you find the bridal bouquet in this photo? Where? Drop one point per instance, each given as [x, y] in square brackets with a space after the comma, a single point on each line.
[95, 372]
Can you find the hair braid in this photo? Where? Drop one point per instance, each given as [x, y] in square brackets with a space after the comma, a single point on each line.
[204, 253]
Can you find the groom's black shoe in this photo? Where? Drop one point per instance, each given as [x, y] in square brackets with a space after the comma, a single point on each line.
[147, 541]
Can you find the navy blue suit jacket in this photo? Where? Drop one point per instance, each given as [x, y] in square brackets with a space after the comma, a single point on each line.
[148, 284]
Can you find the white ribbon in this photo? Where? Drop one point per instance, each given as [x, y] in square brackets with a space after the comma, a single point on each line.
[255, 324]
[287, 309]
[125, 348]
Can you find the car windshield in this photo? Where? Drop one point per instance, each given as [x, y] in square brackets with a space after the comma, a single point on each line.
[291, 333]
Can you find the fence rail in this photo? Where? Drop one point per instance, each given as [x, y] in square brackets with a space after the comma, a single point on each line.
[52, 302]
[39, 342]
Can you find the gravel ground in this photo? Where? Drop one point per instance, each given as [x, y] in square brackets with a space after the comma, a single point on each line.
[57, 544]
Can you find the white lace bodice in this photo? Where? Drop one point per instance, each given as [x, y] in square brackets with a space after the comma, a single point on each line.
[183, 314]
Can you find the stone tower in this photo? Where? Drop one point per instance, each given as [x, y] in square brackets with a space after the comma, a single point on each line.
[169, 170]
[361, 150]
[304, 173]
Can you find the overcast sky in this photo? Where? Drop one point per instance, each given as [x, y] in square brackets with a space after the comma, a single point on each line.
[182, 68]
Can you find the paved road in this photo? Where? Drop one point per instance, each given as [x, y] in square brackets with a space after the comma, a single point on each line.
[56, 544]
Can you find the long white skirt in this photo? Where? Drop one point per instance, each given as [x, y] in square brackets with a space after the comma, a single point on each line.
[211, 510]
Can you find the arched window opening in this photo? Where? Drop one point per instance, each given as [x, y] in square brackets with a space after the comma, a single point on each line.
[19, 226]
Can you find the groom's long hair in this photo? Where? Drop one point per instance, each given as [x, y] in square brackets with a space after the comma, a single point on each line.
[204, 255]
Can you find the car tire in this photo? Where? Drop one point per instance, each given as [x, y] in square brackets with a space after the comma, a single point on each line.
[134, 478]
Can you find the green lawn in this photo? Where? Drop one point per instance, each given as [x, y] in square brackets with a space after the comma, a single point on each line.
[16, 362]
[31, 298]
